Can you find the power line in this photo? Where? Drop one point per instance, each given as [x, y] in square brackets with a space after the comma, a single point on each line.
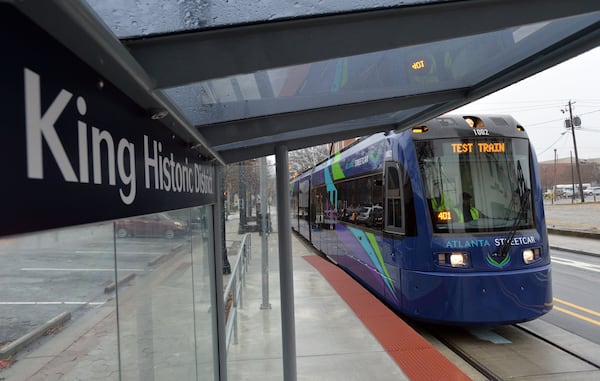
[590, 112]
[560, 120]
[551, 145]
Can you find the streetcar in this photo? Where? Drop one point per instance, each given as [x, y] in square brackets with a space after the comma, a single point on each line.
[461, 236]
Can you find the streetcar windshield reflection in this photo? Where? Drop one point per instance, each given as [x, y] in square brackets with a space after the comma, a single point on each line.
[476, 186]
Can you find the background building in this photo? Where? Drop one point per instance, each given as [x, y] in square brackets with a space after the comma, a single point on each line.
[564, 172]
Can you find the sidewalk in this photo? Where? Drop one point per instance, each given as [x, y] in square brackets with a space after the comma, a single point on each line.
[575, 244]
[574, 227]
[577, 218]
[331, 341]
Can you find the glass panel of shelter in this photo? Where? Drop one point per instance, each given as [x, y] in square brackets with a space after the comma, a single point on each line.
[168, 298]
[418, 69]
[133, 18]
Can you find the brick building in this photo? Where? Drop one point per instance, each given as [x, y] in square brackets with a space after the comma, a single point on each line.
[564, 171]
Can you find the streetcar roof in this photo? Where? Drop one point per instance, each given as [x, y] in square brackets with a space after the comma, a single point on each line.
[234, 80]
[492, 126]
[484, 125]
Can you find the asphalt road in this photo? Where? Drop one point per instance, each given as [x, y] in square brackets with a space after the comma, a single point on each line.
[576, 291]
[46, 274]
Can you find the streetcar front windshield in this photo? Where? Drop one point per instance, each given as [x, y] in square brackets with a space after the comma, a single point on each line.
[476, 185]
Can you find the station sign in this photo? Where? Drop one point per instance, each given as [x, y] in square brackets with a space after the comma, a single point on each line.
[75, 149]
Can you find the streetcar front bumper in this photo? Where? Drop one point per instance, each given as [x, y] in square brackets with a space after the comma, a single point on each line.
[498, 297]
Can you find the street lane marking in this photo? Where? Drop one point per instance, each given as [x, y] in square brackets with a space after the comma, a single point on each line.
[578, 316]
[584, 266]
[50, 303]
[65, 269]
[587, 310]
[111, 252]
[575, 314]
[577, 264]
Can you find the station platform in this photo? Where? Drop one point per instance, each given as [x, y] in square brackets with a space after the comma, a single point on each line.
[342, 331]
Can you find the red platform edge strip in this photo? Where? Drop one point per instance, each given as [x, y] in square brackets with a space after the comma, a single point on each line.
[417, 358]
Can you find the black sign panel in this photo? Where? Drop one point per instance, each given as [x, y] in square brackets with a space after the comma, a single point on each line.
[74, 149]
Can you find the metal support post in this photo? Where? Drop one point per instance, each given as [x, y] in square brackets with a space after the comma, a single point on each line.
[286, 279]
[217, 297]
[226, 264]
[265, 235]
[242, 198]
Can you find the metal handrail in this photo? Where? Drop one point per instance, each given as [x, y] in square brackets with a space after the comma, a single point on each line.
[235, 287]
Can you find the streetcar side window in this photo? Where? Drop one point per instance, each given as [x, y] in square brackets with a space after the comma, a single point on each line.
[360, 201]
[394, 214]
[303, 200]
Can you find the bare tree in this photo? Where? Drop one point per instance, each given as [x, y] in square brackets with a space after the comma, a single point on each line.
[303, 159]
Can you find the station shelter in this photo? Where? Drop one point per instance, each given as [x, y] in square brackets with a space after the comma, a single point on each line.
[120, 115]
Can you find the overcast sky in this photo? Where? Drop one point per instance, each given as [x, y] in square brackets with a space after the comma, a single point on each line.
[536, 103]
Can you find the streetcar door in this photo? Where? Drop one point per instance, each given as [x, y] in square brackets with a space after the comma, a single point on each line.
[394, 211]
[394, 226]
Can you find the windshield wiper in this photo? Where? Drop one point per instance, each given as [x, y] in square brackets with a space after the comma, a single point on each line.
[515, 227]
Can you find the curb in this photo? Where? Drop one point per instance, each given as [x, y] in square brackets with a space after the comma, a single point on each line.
[34, 334]
[574, 233]
[111, 287]
[164, 257]
[575, 251]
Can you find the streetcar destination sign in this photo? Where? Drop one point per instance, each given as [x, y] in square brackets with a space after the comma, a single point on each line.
[478, 147]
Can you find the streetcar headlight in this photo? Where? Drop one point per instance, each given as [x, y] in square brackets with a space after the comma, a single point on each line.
[531, 255]
[455, 259]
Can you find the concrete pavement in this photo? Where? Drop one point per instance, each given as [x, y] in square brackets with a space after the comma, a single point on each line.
[574, 227]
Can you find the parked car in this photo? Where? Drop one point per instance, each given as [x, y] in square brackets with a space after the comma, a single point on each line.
[596, 191]
[152, 225]
[371, 215]
[349, 214]
[363, 214]
[376, 216]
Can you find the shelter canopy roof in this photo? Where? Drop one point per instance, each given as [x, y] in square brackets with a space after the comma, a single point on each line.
[236, 79]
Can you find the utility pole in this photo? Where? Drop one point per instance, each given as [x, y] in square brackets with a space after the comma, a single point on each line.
[576, 156]
[554, 185]
[572, 179]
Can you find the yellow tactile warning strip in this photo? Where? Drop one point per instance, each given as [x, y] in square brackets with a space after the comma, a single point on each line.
[418, 359]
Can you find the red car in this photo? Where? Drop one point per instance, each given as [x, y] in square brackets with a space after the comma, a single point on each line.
[152, 225]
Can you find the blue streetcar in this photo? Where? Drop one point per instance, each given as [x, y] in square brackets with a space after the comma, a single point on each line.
[444, 222]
